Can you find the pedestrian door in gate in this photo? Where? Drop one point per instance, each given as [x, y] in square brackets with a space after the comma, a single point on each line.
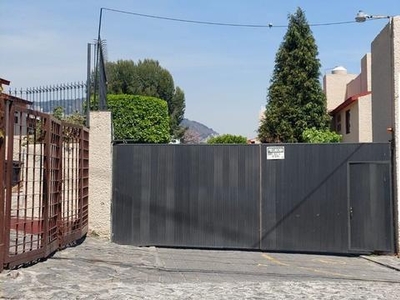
[370, 207]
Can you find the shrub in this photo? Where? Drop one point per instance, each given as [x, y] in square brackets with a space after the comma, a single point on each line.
[228, 139]
[313, 135]
[140, 119]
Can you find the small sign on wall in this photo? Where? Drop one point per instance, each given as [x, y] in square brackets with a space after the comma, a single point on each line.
[276, 152]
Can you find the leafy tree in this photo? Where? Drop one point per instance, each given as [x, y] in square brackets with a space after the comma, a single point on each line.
[121, 77]
[140, 119]
[148, 78]
[313, 135]
[75, 118]
[154, 80]
[295, 100]
[58, 112]
[177, 111]
[227, 139]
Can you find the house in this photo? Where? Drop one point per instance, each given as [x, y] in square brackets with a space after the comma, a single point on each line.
[372, 117]
[349, 102]
[386, 83]
[21, 119]
[5, 82]
[2, 97]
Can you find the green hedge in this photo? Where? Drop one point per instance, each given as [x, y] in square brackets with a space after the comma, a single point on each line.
[140, 119]
[228, 139]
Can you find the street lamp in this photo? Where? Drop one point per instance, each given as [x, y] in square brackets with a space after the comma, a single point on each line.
[362, 17]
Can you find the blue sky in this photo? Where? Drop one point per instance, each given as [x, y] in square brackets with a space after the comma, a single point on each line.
[224, 71]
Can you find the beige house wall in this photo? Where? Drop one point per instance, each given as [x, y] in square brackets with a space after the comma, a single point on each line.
[354, 87]
[342, 131]
[360, 121]
[100, 174]
[396, 91]
[362, 83]
[335, 86]
[385, 99]
[351, 137]
[364, 119]
[382, 86]
[366, 74]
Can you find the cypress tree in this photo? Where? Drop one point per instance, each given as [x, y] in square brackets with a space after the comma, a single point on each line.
[295, 100]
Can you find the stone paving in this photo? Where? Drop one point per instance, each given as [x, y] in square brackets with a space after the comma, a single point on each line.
[98, 269]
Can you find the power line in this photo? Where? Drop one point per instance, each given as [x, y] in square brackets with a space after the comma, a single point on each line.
[332, 23]
[189, 21]
[270, 25]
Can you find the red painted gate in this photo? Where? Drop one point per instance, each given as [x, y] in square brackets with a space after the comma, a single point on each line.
[44, 172]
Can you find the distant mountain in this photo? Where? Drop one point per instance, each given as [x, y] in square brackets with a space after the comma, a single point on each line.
[70, 105]
[198, 130]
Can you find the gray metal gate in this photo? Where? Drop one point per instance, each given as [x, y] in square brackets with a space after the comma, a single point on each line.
[191, 196]
[315, 199]
[300, 197]
[369, 184]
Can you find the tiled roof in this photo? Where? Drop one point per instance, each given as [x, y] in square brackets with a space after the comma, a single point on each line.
[4, 81]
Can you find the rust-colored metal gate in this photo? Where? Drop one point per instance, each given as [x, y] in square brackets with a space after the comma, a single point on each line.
[44, 175]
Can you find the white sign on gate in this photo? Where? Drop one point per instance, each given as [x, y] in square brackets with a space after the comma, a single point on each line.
[276, 152]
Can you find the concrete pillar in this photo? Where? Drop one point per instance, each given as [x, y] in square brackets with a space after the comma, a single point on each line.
[100, 174]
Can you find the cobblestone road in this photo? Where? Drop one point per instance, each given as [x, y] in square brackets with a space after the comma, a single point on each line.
[100, 270]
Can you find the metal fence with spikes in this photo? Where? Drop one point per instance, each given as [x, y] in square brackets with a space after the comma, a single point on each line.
[70, 96]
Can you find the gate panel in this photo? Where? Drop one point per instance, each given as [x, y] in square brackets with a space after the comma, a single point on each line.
[26, 223]
[32, 199]
[74, 189]
[2, 177]
[52, 183]
[84, 181]
[70, 184]
[185, 195]
[305, 206]
[370, 208]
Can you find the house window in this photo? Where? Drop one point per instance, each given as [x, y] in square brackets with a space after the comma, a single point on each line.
[339, 123]
[347, 121]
